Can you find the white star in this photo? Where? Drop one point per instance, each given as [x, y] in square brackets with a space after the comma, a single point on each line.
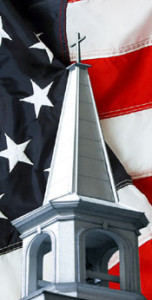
[39, 97]
[42, 46]
[3, 34]
[1, 214]
[47, 170]
[15, 153]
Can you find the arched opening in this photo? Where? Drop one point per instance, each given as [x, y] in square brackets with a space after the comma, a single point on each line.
[99, 248]
[40, 247]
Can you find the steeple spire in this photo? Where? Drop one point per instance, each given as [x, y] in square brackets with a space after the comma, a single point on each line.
[80, 166]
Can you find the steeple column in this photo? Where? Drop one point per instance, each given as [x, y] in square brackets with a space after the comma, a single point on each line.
[67, 253]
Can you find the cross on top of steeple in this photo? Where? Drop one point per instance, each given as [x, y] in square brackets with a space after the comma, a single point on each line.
[77, 44]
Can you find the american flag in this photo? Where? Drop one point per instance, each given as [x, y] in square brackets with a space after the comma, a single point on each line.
[35, 39]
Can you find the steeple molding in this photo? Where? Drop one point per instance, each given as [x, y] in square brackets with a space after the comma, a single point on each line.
[66, 210]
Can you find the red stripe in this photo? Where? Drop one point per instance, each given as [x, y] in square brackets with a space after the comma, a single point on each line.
[114, 271]
[145, 186]
[122, 84]
[74, 1]
[145, 270]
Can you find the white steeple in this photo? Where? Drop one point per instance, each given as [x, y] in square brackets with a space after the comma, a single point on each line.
[68, 230]
[80, 165]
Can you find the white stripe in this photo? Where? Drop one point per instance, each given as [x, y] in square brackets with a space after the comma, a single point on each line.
[10, 275]
[146, 235]
[133, 199]
[111, 27]
[130, 138]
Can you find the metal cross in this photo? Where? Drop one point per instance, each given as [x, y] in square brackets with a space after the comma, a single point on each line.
[77, 44]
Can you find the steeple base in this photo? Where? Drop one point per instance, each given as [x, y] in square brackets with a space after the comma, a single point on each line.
[82, 292]
[80, 238]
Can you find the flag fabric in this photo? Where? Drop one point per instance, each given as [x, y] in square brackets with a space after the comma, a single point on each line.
[32, 88]
[32, 84]
[35, 39]
[118, 46]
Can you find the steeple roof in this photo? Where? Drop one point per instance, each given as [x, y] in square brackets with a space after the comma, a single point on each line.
[80, 165]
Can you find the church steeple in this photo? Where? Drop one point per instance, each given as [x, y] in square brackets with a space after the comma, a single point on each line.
[81, 223]
[80, 165]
